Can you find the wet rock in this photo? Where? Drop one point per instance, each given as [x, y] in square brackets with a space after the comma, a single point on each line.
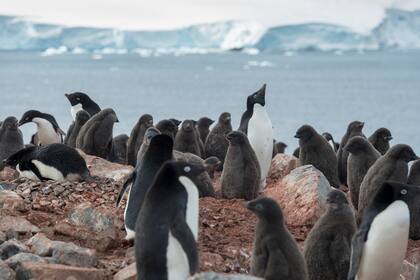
[282, 165]
[30, 270]
[128, 273]
[301, 195]
[23, 257]
[17, 224]
[6, 273]
[11, 248]
[96, 219]
[219, 276]
[11, 200]
[105, 169]
[71, 254]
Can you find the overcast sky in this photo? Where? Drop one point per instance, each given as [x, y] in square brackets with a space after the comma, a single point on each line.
[360, 15]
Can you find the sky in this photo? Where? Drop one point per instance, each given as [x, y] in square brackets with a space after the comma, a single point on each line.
[359, 15]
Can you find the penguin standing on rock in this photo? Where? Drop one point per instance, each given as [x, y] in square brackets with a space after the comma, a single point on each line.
[81, 118]
[48, 130]
[167, 225]
[380, 140]
[11, 139]
[256, 124]
[276, 254]
[380, 244]
[81, 101]
[136, 138]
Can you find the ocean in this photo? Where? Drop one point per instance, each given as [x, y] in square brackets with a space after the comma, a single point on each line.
[322, 89]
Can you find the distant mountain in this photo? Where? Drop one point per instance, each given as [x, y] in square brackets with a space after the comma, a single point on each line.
[398, 30]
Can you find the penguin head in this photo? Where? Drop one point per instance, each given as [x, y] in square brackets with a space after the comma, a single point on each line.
[281, 146]
[236, 138]
[383, 134]
[175, 122]
[78, 98]
[205, 122]
[29, 116]
[159, 142]
[328, 136]
[182, 168]
[256, 98]
[109, 112]
[19, 156]
[305, 133]
[355, 126]
[266, 209]
[10, 123]
[82, 117]
[391, 191]
[147, 120]
[336, 198]
[212, 163]
[167, 127]
[357, 144]
[149, 134]
[225, 118]
[402, 152]
[188, 126]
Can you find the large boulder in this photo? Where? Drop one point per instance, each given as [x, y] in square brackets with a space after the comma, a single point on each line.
[102, 168]
[11, 200]
[302, 195]
[220, 276]
[282, 165]
[30, 270]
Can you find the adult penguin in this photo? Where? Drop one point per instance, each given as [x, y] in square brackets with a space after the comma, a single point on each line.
[136, 138]
[81, 101]
[380, 244]
[216, 143]
[362, 156]
[353, 129]
[95, 137]
[256, 124]
[327, 248]
[393, 166]
[186, 139]
[11, 138]
[203, 126]
[167, 225]
[380, 139]
[118, 152]
[81, 118]
[331, 141]
[140, 180]
[315, 150]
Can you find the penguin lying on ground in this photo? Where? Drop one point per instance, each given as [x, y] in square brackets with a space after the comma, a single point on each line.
[53, 162]
[81, 101]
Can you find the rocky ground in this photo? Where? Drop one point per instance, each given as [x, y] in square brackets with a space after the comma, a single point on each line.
[51, 229]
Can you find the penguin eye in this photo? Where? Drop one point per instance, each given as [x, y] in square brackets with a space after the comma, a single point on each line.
[259, 207]
[403, 191]
[187, 169]
[77, 98]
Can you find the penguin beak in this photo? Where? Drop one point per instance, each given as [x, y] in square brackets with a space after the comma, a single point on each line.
[361, 125]
[21, 122]
[388, 138]
[297, 136]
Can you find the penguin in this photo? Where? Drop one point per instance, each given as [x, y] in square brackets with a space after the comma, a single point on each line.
[353, 129]
[203, 126]
[119, 149]
[296, 152]
[414, 203]
[81, 101]
[362, 156]
[212, 164]
[136, 138]
[380, 139]
[241, 172]
[148, 135]
[177, 123]
[380, 244]
[393, 166]
[199, 141]
[414, 174]
[327, 248]
[81, 118]
[95, 136]
[168, 127]
[167, 225]
[256, 124]
[216, 143]
[276, 254]
[278, 148]
[11, 138]
[331, 141]
[315, 150]
[140, 180]
[48, 130]
[56, 162]
[186, 139]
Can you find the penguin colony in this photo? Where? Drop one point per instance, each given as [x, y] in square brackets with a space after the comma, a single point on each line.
[364, 237]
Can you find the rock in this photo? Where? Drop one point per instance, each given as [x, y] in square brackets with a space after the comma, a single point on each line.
[29, 270]
[17, 224]
[301, 195]
[220, 276]
[282, 165]
[71, 254]
[11, 248]
[23, 257]
[6, 273]
[210, 261]
[127, 273]
[39, 218]
[11, 200]
[96, 219]
[8, 174]
[2, 237]
[41, 245]
[105, 169]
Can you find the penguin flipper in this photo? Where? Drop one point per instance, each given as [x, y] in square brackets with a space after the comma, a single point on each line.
[244, 122]
[357, 252]
[182, 232]
[35, 170]
[128, 182]
[277, 266]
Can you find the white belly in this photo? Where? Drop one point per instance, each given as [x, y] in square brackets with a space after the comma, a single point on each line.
[386, 245]
[176, 260]
[74, 109]
[48, 171]
[46, 133]
[260, 135]
[192, 204]
[27, 174]
[130, 233]
[331, 144]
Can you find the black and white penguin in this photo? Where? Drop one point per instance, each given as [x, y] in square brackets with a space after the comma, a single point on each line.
[11, 138]
[380, 244]
[256, 124]
[48, 130]
[167, 225]
[81, 101]
[53, 162]
[140, 180]
[331, 141]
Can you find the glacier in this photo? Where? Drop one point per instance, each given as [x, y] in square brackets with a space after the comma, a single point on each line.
[398, 30]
